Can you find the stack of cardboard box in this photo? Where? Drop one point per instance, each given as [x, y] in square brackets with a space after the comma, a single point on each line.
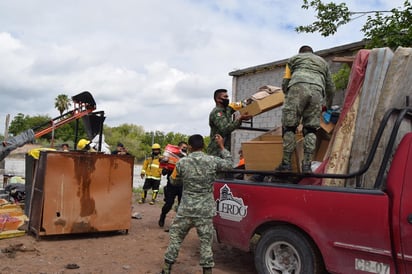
[265, 151]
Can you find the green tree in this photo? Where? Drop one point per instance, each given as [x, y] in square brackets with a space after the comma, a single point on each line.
[64, 133]
[62, 103]
[23, 122]
[382, 29]
[161, 138]
[130, 135]
[67, 132]
[341, 77]
[18, 124]
[135, 139]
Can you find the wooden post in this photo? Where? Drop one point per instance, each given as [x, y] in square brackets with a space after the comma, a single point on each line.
[2, 162]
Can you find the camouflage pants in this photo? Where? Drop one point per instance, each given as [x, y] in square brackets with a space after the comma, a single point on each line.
[178, 231]
[303, 103]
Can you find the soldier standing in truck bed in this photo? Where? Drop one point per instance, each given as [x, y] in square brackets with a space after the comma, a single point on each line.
[308, 86]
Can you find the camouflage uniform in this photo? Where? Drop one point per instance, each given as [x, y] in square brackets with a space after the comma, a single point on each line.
[309, 87]
[221, 122]
[196, 172]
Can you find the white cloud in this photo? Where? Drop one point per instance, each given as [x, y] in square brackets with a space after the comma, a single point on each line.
[150, 63]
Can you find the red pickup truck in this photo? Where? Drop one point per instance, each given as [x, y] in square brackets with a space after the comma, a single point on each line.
[294, 228]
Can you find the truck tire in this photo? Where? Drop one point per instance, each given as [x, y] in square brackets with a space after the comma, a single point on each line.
[286, 250]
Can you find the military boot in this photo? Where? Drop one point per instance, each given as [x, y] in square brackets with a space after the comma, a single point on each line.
[284, 167]
[307, 163]
[167, 268]
[162, 220]
[306, 167]
[207, 270]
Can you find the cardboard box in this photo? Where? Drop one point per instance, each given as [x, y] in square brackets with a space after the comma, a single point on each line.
[322, 145]
[272, 101]
[265, 152]
[328, 127]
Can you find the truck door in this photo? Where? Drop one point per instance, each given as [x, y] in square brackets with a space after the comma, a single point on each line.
[400, 183]
[406, 219]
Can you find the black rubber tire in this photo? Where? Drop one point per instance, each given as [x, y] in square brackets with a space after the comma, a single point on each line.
[286, 249]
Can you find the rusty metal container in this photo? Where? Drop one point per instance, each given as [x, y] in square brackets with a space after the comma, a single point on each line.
[81, 192]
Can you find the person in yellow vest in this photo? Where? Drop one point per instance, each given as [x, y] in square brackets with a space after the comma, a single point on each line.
[153, 172]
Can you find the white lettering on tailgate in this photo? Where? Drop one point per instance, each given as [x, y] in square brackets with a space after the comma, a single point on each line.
[371, 266]
[229, 207]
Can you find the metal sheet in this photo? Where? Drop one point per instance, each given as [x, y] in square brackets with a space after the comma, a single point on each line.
[83, 192]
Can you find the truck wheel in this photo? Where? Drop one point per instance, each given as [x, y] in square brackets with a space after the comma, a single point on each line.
[285, 250]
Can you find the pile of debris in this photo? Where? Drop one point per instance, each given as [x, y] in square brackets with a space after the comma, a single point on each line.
[12, 219]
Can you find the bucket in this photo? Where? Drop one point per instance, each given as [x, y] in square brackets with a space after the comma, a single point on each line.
[170, 157]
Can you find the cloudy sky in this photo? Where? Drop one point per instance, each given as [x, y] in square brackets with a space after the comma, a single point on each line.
[151, 63]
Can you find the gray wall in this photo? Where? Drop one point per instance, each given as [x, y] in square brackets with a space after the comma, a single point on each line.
[245, 86]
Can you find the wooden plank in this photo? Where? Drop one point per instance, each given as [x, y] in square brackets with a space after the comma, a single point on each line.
[344, 59]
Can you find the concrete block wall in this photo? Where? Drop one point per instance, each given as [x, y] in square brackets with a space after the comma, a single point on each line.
[244, 87]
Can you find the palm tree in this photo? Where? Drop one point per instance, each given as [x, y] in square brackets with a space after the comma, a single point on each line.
[62, 103]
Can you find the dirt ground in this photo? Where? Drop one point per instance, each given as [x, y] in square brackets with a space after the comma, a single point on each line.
[141, 250]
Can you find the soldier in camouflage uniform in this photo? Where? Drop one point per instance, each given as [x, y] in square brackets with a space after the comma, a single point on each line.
[221, 122]
[308, 86]
[196, 173]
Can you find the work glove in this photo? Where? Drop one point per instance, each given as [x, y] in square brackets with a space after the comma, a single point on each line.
[285, 84]
[236, 105]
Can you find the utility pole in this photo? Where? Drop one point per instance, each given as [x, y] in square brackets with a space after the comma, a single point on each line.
[6, 128]
[2, 162]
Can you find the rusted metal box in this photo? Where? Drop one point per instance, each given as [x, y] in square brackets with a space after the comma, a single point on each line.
[81, 192]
